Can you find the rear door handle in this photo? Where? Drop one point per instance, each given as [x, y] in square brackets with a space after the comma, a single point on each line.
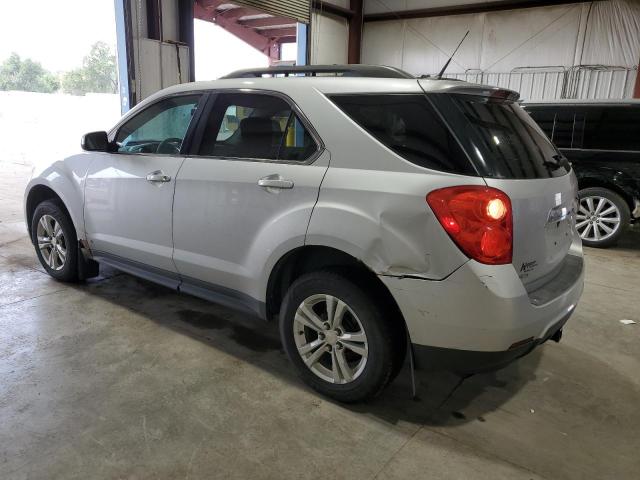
[275, 181]
[158, 177]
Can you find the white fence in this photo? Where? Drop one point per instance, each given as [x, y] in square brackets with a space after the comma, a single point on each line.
[549, 83]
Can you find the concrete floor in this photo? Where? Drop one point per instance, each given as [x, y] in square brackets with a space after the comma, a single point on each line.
[119, 378]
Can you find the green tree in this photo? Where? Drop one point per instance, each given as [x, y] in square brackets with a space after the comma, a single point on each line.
[98, 73]
[26, 75]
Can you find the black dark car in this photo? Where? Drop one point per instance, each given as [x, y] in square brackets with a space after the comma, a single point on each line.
[601, 139]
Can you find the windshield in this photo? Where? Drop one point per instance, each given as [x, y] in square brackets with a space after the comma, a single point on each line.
[501, 138]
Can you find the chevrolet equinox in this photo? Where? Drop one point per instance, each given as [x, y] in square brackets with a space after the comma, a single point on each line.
[371, 212]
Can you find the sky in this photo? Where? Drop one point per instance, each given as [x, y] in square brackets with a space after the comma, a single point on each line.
[58, 34]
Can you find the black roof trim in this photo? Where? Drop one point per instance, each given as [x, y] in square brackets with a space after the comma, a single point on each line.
[355, 70]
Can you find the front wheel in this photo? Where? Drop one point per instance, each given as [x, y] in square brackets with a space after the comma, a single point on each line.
[54, 238]
[602, 217]
[338, 338]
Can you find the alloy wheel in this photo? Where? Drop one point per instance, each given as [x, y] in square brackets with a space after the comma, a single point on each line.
[598, 218]
[51, 242]
[330, 339]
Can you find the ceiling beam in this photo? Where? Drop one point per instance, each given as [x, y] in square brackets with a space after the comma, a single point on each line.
[210, 5]
[463, 9]
[233, 13]
[278, 32]
[287, 39]
[248, 35]
[268, 22]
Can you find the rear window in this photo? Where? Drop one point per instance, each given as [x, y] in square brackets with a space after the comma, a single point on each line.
[502, 139]
[408, 125]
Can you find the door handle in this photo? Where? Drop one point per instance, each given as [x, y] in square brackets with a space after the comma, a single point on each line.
[275, 181]
[158, 177]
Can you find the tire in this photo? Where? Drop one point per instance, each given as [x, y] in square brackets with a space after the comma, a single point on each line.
[52, 214]
[592, 225]
[356, 377]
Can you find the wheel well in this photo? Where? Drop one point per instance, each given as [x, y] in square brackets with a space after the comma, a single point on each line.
[594, 182]
[37, 195]
[312, 258]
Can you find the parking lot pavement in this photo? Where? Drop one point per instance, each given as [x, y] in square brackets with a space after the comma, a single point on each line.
[119, 378]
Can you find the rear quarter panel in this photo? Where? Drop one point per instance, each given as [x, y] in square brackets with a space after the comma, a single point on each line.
[383, 219]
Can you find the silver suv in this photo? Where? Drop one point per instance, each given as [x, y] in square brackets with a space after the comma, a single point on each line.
[371, 212]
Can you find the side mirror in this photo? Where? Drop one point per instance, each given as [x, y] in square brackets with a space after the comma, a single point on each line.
[95, 142]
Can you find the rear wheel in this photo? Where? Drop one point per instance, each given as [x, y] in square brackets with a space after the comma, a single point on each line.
[602, 217]
[54, 238]
[338, 338]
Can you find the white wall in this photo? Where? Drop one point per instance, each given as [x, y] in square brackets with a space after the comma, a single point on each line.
[503, 40]
[157, 62]
[329, 39]
[563, 37]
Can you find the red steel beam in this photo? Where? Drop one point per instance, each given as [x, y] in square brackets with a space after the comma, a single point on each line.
[233, 13]
[292, 39]
[247, 35]
[278, 32]
[268, 45]
[268, 22]
[355, 31]
[209, 5]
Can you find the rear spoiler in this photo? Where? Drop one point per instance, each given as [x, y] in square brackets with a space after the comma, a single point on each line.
[465, 88]
[496, 93]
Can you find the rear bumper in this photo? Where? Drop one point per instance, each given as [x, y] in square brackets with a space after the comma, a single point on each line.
[482, 314]
[469, 362]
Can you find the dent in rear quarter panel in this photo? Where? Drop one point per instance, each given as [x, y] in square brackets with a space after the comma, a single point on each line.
[383, 219]
[66, 178]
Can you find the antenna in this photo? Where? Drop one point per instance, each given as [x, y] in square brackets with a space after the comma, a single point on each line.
[439, 76]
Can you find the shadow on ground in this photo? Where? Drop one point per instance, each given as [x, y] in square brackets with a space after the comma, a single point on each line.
[441, 396]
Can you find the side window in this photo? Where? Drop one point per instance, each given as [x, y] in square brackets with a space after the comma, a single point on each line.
[408, 125]
[159, 129]
[255, 126]
[613, 128]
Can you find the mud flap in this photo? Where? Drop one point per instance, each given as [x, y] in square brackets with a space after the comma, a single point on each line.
[87, 267]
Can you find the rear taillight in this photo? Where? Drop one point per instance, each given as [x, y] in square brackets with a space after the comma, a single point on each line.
[478, 219]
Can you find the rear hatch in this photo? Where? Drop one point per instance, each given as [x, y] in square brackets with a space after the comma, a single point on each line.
[512, 154]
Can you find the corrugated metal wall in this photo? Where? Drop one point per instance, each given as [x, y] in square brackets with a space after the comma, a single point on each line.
[297, 9]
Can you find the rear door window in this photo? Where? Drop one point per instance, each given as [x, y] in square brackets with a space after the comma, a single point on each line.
[409, 125]
[501, 138]
[255, 126]
[612, 128]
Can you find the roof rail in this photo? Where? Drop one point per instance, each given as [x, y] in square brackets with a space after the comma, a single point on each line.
[356, 70]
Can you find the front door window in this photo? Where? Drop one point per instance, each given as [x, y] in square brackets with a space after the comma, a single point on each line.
[159, 129]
